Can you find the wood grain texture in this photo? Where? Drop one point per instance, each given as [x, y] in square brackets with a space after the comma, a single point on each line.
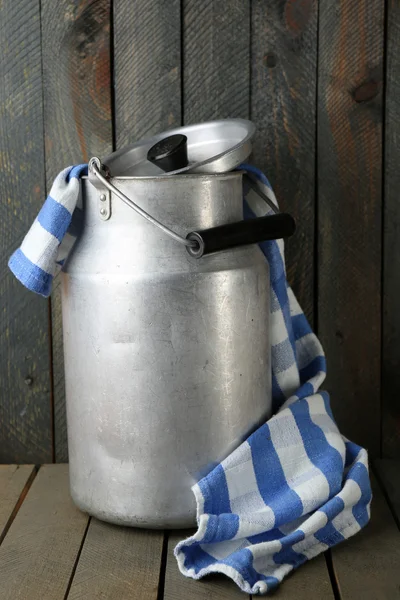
[147, 63]
[298, 586]
[78, 125]
[367, 565]
[118, 563]
[349, 211]
[25, 399]
[39, 551]
[388, 471]
[283, 107]
[310, 582]
[216, 59]
[13, 479]
[391, 267]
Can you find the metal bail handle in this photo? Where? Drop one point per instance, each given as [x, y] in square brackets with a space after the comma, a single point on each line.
[215, 239]
[95, 167]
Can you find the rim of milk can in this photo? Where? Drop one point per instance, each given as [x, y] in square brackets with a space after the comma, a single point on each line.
[210, 148]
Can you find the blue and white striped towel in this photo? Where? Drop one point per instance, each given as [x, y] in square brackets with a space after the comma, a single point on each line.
[296, 486]
[52, 235]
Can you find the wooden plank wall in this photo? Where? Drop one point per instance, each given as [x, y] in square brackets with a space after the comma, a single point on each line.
[25, 381]
[349, 178]
[319, 79]
[283, 106]
[391, 266]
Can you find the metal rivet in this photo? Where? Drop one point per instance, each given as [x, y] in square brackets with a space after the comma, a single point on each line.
[103, 198]
[103, 211]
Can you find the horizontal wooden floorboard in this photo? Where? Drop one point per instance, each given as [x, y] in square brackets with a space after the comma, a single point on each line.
[38, 554]
[13, 480]
[367, 566]
[311, 581]
[45, 553]
[118, 563]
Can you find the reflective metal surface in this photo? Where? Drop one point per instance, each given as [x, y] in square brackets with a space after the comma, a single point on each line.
[95, 170]
[213, 147]
[167, 357]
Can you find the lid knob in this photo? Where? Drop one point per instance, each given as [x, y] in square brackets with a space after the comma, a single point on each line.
[170, 153]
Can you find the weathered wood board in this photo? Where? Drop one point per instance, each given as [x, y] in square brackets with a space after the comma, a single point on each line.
[349, 177]
[283, 107]
[25, 382]
[391, 237]
[38, 554]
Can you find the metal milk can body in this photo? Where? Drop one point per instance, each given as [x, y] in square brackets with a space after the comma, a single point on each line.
[167, 357]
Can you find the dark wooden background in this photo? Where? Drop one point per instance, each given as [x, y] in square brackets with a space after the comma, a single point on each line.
[321, 81]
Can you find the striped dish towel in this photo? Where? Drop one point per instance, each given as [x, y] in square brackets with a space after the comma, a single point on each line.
[296, 486]
[52, 235]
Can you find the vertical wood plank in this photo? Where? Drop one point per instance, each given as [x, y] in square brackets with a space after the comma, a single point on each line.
[25, 400]
[13, 479]
[367, 565]
[391, 268]
[349, 208]
[283, 107]
[147, 62]
[216, 59]
[39, 551]
[78, 125]
[118, 563]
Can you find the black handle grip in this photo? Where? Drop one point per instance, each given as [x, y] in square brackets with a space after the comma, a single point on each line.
[170, 153]
[252, 231]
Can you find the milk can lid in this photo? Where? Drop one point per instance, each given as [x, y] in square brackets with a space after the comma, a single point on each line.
[212, 147]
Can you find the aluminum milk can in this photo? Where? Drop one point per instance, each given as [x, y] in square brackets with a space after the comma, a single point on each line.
[167, 348]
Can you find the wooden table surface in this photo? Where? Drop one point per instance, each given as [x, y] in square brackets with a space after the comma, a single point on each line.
[49, 550]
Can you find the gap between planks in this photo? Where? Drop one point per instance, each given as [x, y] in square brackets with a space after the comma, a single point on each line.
[53, 552]
[39, 551]
[118, 563]
[15, 482]
[297, 586]
[50, 546]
